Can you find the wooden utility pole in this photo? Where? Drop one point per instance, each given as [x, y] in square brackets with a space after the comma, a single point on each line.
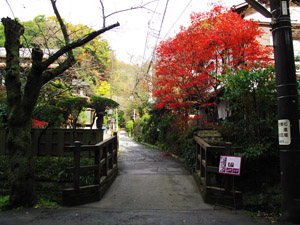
[287, 101]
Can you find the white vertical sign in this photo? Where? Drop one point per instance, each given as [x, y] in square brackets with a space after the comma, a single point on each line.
[284, 8]
[284, 132]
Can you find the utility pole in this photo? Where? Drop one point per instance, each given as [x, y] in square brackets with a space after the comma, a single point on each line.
[111, 82]
[287, 102]
[111, 76]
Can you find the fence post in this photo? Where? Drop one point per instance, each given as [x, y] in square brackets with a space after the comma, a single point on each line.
[230, 179]
[77, 165]
[97, 171]
[228, 146]
[115, 149]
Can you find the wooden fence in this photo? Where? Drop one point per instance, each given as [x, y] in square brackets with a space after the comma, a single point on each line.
[211, 183]
[51, 142]
[105, 170]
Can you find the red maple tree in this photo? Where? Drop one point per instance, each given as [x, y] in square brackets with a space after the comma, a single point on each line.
[190, 64]
[38, 124]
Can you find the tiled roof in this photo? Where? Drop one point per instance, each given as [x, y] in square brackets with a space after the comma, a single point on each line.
[26, 52]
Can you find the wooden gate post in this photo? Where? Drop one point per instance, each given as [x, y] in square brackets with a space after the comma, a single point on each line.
[77, 165]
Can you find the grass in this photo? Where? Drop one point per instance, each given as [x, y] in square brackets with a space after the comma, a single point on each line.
[3, 201]
[42, 203]
[46, 203]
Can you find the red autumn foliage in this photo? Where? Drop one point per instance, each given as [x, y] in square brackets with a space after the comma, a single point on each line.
[38, 124]
[188, 65]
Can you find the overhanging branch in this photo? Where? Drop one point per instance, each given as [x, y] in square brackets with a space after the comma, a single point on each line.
[76, 44]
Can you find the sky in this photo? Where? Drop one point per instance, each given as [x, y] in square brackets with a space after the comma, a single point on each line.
[134, 40]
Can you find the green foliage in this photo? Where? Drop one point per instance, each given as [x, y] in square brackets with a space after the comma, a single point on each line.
[121, 119]
[170, 134]
[103, 89]
[54, 91]
[94, 58]
[138, 129]
[253, 121]
[167, 131]
[3, 201]
[49, 168]
[188, 151]
[129, 127]
[46, 203]
[34, 31]
[100, 104]
[51, 173]
[253, 126]
[2, 37]
[50, 114]
[73, 106]
[3, 167]
[3, 114]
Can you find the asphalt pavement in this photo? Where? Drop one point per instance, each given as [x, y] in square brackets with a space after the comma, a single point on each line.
[150, 190]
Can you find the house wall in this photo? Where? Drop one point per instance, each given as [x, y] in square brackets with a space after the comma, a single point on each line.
[266, 38]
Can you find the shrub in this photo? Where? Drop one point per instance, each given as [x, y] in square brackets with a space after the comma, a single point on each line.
[49, 113]
[253, 121]
[129, 127]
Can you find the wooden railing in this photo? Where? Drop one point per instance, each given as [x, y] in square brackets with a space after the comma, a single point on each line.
[207, 174]
[105, 169]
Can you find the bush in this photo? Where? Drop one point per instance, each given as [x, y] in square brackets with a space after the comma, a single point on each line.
[50, 175]
[166, 130]
[253, 121]
[189, 152]
[50, 114]
[129, 127]
[72, 107]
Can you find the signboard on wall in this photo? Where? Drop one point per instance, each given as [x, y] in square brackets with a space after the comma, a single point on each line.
[230, 165]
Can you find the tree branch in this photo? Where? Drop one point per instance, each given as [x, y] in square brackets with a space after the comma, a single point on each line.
[50, 74]
[123, 10]
[62, 26]
[76, 44]
[132, 8]
[103, 14]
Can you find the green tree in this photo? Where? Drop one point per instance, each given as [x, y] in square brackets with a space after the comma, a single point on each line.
[100, 105]
[49, 113]
[2, 37]
[129, 127]
[21, 101]
[94, 57]
[253, 120]
[103, 89]
[72, 107]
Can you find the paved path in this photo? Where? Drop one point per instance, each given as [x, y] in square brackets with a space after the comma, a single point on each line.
[149, 190]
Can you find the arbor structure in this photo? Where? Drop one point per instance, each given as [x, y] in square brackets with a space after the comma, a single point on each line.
[22, 99]
[189, 65]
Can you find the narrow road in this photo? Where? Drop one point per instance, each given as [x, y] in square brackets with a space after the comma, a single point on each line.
[150, 189]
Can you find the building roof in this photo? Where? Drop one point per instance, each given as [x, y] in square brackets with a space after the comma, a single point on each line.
[26, 52]
[76, 82]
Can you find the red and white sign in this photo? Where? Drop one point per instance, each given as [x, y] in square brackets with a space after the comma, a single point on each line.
[230, 165]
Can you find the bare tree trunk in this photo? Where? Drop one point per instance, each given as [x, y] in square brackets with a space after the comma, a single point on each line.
[21, 168]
